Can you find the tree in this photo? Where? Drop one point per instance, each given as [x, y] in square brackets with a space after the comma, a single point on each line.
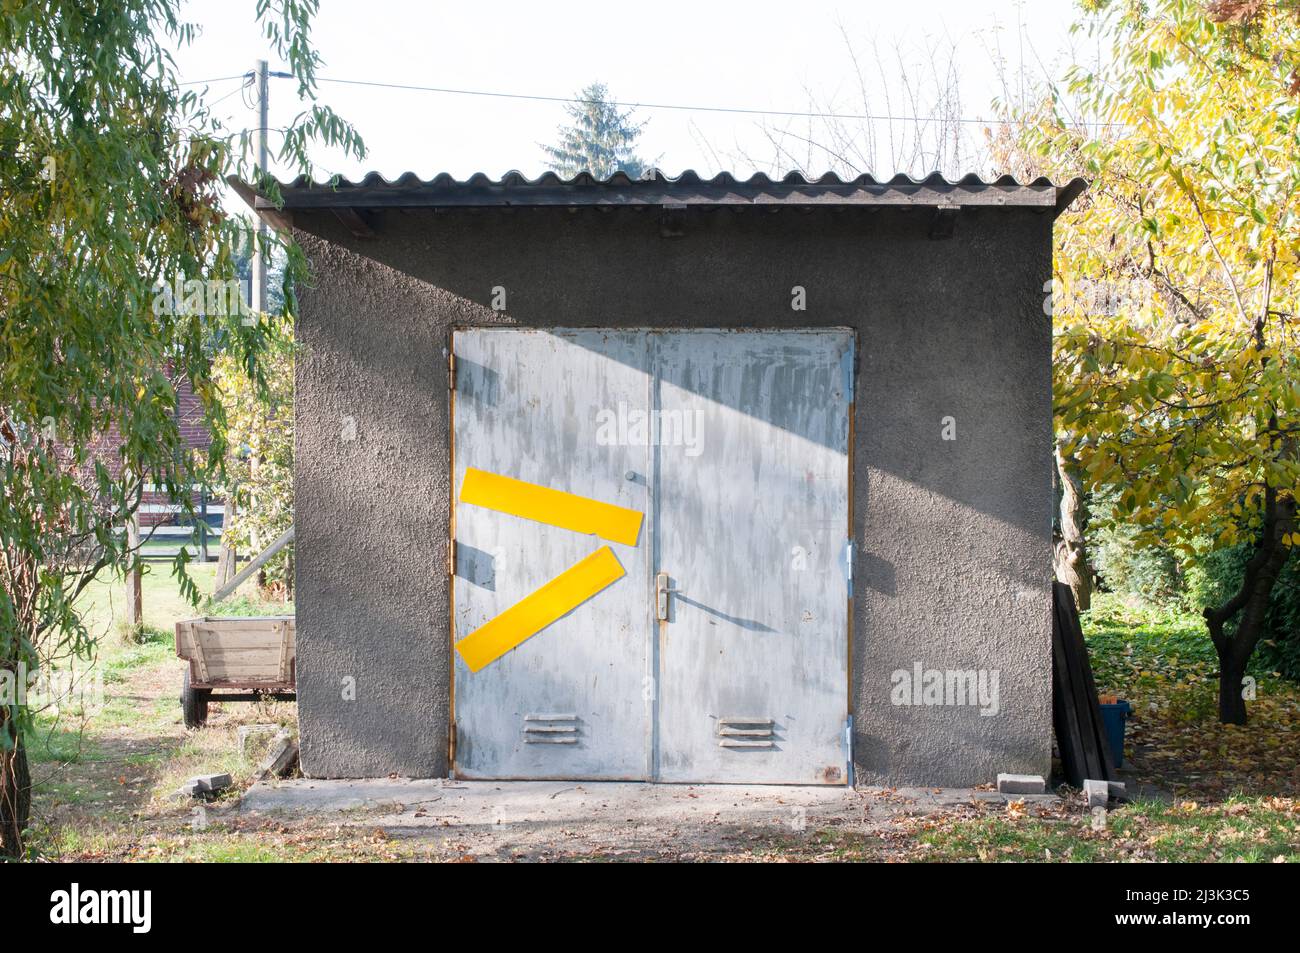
[1177, 371]
[238, 388]
[1070, 559]
[909, 104]
[116, 264]
[601, 139]
[259, 463]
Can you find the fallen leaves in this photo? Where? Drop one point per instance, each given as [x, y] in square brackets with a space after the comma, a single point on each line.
[1166, 669]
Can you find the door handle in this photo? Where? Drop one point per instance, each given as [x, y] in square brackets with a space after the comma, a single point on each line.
[662, 591]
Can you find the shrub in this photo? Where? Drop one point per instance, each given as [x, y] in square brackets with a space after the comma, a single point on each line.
[1123, 567]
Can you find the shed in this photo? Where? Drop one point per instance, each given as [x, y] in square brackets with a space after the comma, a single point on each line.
[674, 479]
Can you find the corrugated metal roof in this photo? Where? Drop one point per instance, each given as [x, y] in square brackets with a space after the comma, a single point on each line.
[655, 189]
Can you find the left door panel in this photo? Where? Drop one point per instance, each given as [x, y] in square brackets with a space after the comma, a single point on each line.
[570, 701]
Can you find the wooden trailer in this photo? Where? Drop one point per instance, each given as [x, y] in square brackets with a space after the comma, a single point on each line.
[234, 658]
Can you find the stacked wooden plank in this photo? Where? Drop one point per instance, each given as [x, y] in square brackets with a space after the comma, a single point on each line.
[1080, 733]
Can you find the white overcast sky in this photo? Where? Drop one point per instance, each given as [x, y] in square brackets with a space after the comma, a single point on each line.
[754, 55]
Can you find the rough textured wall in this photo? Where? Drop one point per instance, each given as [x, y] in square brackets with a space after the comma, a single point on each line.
[952, 559]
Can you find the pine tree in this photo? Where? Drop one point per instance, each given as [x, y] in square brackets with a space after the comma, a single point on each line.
[599, 141]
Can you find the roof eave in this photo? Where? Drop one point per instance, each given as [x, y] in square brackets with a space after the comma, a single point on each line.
[685, 191]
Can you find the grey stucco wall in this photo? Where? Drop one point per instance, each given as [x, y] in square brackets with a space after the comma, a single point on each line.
[953, 552]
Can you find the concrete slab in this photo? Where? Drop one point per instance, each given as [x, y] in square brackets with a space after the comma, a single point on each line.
[495, 802]
[522, 820]
[444, 801]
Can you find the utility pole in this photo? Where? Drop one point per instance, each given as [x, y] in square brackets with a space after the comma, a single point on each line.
[134, 580]
[258, 291]
[259, 267]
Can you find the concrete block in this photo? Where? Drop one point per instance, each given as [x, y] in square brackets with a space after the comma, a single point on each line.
[254, 740]
[1021, 784]
[1097, 792]
[190, 789]
[1118, 790]
[212, 783]
[204, 787]
[281, 757]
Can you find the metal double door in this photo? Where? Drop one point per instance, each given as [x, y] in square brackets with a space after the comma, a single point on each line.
[722, 654]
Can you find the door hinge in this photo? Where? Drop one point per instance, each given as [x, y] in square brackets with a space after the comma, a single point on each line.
[451, 371]
[848, 750]
[451, 558]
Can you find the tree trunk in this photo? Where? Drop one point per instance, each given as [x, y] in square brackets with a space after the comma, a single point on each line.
[254, 538]
[134, 575]
[227, 556]
[15, 794]
[1232, 696]
[1251, 602]
[1071, 551]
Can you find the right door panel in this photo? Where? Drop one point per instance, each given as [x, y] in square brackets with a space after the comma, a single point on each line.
[751, 513]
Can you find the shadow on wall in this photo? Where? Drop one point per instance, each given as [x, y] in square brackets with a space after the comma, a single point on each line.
[946, 329]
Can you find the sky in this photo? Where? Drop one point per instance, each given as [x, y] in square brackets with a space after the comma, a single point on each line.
[758, 55]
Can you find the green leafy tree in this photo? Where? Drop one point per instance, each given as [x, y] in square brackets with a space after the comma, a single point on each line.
[259, 461]
[109, 177]
[600, 140]
[1177, 370]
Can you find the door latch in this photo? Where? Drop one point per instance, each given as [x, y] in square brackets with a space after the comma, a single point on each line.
[662, 591]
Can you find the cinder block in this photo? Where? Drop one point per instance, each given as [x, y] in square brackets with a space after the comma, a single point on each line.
[212, 783]
[1021, 784]
[281, 757]
[254, 740]
[1117, 790]
[190, 789]
[1097, 792]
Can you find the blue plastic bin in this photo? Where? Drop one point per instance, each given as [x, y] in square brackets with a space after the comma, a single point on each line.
[1115, 716]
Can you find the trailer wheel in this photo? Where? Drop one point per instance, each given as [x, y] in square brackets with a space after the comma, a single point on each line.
[194, 702]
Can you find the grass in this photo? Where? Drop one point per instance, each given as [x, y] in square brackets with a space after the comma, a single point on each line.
[1125, 638]
[103, 603]
[210, 836]
[104, 773]
[1249, 830]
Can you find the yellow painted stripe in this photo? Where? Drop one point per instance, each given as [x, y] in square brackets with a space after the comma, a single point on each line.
[539, 609]
[618, 524]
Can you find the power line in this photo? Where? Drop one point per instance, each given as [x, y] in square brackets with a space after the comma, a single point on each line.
[222, 79]
[737, 110]
[214, 79]
[221, 99]
[626, 105]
